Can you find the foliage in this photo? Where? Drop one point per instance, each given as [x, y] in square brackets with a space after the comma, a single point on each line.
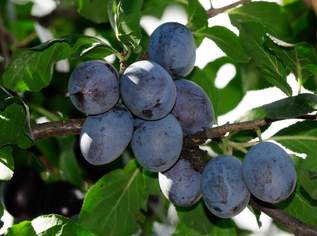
[273, 41]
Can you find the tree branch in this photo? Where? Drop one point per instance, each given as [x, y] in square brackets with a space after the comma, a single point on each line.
[292, 224]
[215, 11]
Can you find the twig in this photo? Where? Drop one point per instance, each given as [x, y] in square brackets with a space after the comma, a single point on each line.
[292, 224]
[215, 11]
[57, 128]
[73, 126]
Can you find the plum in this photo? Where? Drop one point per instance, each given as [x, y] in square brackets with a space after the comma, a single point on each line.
[224, 192]
[192, 109]
[62, 198]
[148, 90]
[22, 195]
[269, 172]
[94, 87]
[181, 184]
[172, 46]
[157, 144]
[104, 137]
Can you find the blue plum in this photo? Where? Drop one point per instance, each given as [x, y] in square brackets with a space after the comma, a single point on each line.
[224, 192]
[104, 137]
[157, 144]
[192, 109]
[172, 46]
[94, 87]
[269, 172]
[181, 184]
[148, 90]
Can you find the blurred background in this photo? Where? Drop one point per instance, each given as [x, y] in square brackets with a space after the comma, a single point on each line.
[34, 21]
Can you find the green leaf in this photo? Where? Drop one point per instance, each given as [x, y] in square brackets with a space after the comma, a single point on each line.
[300, 59]
[253, 36]
[201, 222]
[268, 15]
[1, 210]
[301, 207]
[48, 225]
[156, 7]
[197, 15]
[112, 206]
[13, 127]
[32, 69]
[6, 164]
[227, 41]
[23, 228]
[206, 79]
[68, 165]
[94, 10]
[124, 17]
[286, 108]
[302, 138]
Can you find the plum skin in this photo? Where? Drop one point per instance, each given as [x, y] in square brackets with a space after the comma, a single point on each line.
[192, 108]
[181, 184]
[157, 144]
[62, 198]
[172, 46]
[147, 90]
[22, 195]
[94, 87]
[104, 137]
[269, 172]
[224, 192]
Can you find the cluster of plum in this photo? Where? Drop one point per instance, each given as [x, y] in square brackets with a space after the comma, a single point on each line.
[26, 195]
[158, 107]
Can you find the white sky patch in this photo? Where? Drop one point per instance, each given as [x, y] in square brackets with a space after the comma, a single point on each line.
[224, 75]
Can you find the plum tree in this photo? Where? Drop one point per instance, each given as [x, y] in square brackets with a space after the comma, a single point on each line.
[62, 198]
[269, 172]
[193, 108]
[148, 90]
[94, 87]
[172, 46]
[224, 192]
[104, 137]
[157, 144]
[181, 184]
[22, 195]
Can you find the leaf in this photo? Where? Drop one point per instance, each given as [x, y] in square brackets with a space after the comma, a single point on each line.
[252, 37]
[302, 138]
[124, 17]
[227, 41]
[206, 79]
[13, 126]
[201, 222]
[112, 206]
[300, 207]
[48, 225]
[197, 15]
[94, 10]
[286, 108]
[156, 7]
[6, 164]
[68, 165]
[268, 15]
[32, 69]
[301, 59]
[1, 212]
[23, 228]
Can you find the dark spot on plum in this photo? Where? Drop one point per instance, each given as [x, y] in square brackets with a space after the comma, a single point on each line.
[147, 113]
